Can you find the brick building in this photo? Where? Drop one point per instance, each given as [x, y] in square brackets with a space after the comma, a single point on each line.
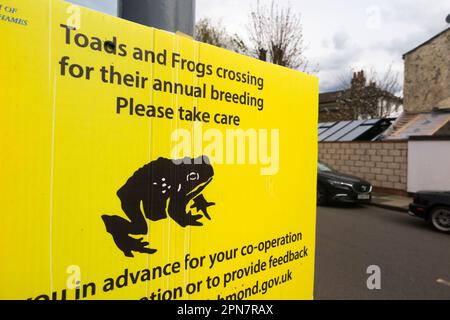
[426, 90]
[362, 101]
[329, 108]
[427, 75]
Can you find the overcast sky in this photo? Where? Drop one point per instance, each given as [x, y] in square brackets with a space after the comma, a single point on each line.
[339, 35]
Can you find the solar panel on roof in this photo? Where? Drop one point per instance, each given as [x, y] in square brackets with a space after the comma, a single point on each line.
[323, 134]
[322, 130]
[344, 131]
[326, 124]
[329, 126]
[333, 130]
[371, 121]
[350, 130]
[357, 132]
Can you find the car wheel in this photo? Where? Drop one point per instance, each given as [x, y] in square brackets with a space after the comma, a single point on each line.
[440, 219]
[321, 197]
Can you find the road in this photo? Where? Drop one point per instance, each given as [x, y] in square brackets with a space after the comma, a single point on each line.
[414, 260]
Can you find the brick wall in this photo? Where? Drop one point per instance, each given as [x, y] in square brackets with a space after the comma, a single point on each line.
[427, 75]
[384, 164]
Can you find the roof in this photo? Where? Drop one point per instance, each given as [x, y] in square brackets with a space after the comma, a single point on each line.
[424, 124]
[330, 96]
[334, 96]
[426, 42]
[358, 130]
[429, 138]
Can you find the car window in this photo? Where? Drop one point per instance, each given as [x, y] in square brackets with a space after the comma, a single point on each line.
[323, 168]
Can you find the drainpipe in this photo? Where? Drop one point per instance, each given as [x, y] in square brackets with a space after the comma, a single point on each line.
[170, 15]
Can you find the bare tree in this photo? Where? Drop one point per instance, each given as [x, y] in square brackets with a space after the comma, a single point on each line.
[366, 95]
[276, 35]
[215, 34]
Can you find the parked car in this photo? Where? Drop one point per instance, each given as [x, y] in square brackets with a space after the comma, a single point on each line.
[434, 207]
[333, 186]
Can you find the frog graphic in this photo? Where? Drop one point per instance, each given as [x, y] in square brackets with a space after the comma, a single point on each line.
[161, 188]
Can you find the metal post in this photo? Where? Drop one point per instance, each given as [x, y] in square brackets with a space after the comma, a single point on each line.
[170, 15]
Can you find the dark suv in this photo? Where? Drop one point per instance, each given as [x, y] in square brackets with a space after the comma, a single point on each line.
[434, 207]
[333, 186]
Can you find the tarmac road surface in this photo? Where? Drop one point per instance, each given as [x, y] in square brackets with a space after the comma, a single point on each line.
[414, 260]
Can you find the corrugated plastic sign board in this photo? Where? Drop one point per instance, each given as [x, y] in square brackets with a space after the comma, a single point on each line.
[139, 164]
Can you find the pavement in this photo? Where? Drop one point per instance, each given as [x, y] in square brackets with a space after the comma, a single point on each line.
[391, 202]
[412, 258]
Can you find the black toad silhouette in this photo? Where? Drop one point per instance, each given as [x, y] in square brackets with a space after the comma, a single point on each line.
[164, 187]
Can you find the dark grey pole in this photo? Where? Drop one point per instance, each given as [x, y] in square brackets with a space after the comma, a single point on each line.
[170, 15]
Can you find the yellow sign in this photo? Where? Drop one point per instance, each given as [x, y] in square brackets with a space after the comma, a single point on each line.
[139, 164]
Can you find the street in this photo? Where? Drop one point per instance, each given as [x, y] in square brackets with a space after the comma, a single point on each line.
[414, 260]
